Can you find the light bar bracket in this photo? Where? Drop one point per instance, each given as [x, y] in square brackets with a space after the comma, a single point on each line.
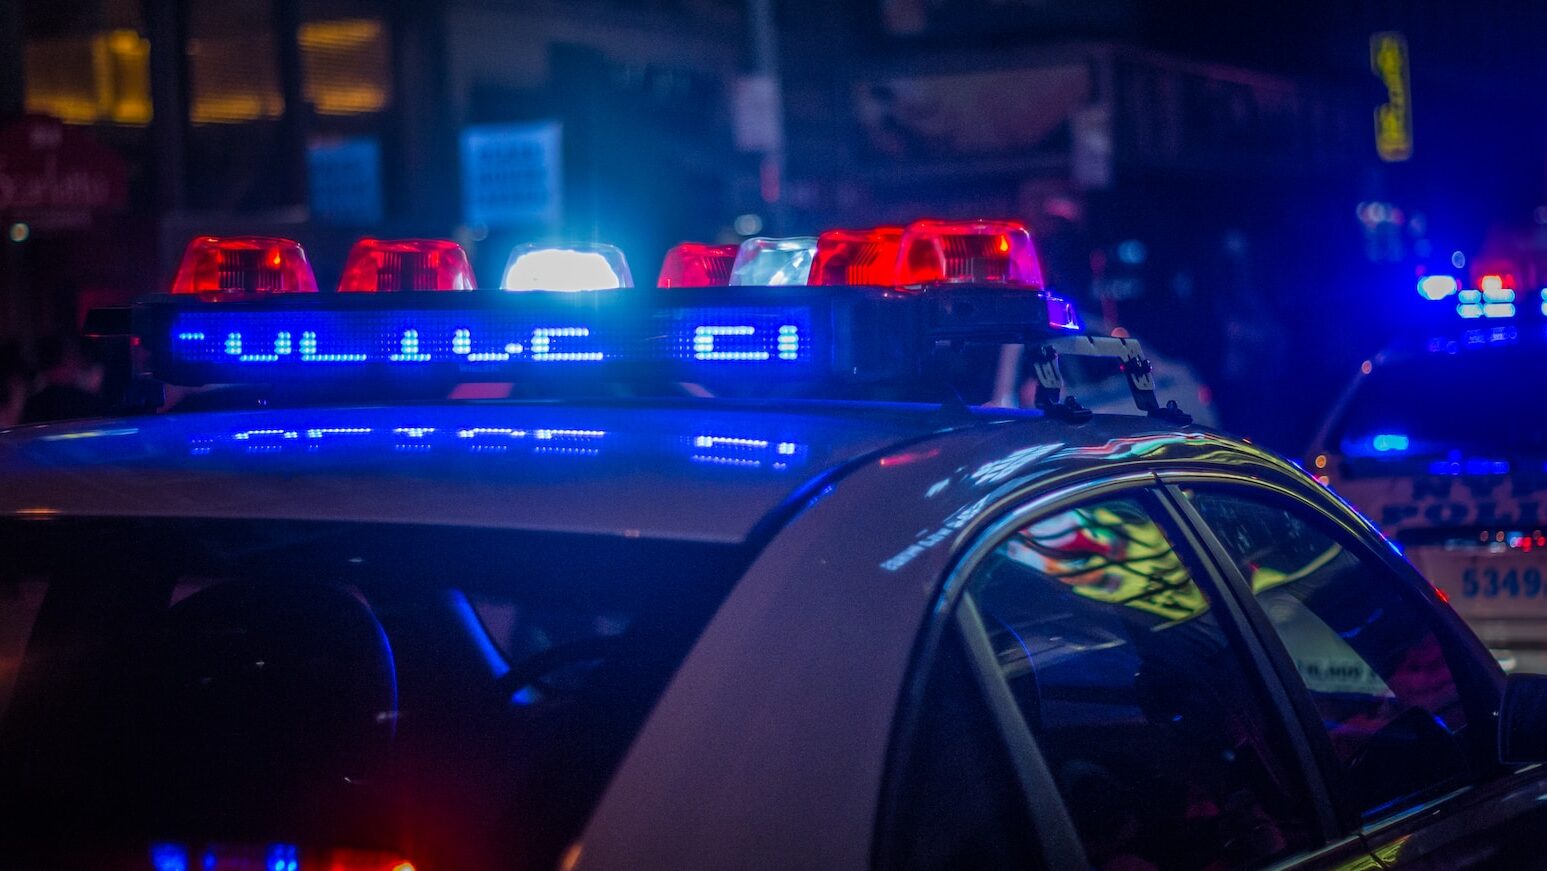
[1131, 362]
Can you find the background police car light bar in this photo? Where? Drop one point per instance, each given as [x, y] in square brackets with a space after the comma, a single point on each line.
[797, 334]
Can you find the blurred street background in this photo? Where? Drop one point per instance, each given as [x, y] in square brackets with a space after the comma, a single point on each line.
[1253, 191]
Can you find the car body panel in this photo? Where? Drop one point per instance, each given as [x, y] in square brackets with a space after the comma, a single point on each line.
[702, 472]
[808, 735]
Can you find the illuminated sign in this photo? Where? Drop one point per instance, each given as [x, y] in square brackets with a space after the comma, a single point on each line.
[745, 335]
[476, 340]
[512, 174]
[344, 180]
[1394, 118]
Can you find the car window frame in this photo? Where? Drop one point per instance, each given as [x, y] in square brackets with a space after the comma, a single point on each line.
[1056, 836]
[1364, 543]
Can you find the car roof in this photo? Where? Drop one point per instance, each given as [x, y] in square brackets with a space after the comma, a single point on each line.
[707, 470]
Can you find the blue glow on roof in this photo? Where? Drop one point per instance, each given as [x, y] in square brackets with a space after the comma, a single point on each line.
[421, 437]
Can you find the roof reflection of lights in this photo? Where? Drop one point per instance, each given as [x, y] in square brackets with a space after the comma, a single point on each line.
[475, 432]
[726, 461]
[907, 457]
[36, 512]
[87, 434]
[413, 432]
[998, 470]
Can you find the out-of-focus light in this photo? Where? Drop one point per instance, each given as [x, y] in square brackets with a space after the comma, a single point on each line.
[1386, 442]
[282, 857]
[1132, 252]
[1497, 288]
[1321, 461]
[1484, 466]
[384, 266]
[19, 232]
[1470, 309]
[1323, 480]
[748, 225]
[1499, 310]
[1436, 286]
[580, 266]
[1457, 259]
[169, 857]
[774, 262]
[857, 257]
[1366, 367]
[1467, 296]
[694, 264]
[968, 252]
[238, 264]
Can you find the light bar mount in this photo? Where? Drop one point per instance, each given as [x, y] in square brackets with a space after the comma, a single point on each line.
[1136, 368]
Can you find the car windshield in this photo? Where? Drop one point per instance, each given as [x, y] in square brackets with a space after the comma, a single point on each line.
[225, 694]
[1410, 407]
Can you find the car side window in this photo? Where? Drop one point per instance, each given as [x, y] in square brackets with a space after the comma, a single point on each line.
[1369, 653]
[1161, 743]
[957, 803]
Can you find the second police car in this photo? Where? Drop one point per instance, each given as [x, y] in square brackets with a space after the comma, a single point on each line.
[1442, 441]
[621, 624]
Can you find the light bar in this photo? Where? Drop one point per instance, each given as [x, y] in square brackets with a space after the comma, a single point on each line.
[968, 252]
[386, 266]
[774, 262]
[858, 257]
[572, 267]
[695, 264]
[676, 334]
[243, 264]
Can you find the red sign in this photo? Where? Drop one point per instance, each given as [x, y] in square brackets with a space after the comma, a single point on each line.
[53, 173]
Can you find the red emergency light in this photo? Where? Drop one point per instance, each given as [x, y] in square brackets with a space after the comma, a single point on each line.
[244, 264]
[697, 264]
[967, 252]
[385, 266]
[857, 257]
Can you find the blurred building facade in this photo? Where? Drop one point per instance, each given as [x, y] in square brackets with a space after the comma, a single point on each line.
[326, 120]
[1202, 173]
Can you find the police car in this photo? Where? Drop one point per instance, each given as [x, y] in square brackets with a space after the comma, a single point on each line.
[675, 606]
[1438, 441]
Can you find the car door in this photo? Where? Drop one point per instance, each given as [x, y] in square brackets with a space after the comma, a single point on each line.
[1400, 699]
[1120, 678]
